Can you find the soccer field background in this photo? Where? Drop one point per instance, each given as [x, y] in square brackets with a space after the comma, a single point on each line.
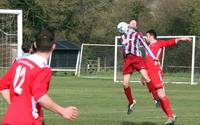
[102, 102]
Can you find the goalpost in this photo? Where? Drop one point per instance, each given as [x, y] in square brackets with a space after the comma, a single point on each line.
[180, 62]
[96, 61]
[10, 36]
[10, 39]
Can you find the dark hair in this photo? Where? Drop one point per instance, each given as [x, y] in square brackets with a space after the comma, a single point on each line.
[27, 46]
[44, 40]
[152, 33]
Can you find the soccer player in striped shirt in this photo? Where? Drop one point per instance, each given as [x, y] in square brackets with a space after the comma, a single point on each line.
[156, 86]
[28, 81]
[133, 60]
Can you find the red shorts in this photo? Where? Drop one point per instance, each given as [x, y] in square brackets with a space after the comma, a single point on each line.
[132, 62]
[156, 77]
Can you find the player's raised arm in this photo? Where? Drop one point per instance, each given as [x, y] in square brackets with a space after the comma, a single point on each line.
[183, 39]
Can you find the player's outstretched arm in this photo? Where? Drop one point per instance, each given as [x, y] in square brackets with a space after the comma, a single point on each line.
[184, 39]
[69, 113]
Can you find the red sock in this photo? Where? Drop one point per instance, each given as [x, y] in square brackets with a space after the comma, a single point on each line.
[152, 90]
[162, 107]
[166, 106]
[128, 94]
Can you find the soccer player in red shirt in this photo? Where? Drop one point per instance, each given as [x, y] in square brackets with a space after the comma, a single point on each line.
[27, 81]
[155, 72]
[131, 41]
[27, 50]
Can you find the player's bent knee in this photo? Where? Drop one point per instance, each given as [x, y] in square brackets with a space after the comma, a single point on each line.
[145, 75]
[125, 84]
[161, 93]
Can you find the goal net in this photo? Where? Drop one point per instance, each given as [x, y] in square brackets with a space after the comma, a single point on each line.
[96, 61]
[10, 39]
[180, 62]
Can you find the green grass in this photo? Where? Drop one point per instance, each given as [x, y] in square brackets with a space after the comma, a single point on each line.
[168, 77]
[101, 102]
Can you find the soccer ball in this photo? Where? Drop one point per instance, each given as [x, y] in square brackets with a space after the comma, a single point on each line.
[122, 27]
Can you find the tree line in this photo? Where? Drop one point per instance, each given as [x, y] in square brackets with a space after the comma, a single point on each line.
[94, 21]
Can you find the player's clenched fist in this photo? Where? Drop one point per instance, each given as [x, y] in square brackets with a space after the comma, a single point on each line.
[70, 113]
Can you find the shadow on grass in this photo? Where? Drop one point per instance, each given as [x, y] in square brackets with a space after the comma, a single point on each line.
[134, 123]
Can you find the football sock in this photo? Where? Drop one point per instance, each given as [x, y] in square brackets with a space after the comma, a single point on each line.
[162, 107]
[166, 106]
[128, 94]
[152, 90]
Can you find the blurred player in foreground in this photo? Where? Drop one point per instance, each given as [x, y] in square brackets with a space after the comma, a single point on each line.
[27, 48]
[156, 86]
[28, 81]
[131, 41]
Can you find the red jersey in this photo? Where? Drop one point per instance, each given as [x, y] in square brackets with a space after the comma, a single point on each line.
[157, 48]
[28, 81]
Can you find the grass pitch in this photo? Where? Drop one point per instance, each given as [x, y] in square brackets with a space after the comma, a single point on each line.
[101, 102]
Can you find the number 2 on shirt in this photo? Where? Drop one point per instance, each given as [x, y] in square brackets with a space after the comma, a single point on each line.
[19, 79]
